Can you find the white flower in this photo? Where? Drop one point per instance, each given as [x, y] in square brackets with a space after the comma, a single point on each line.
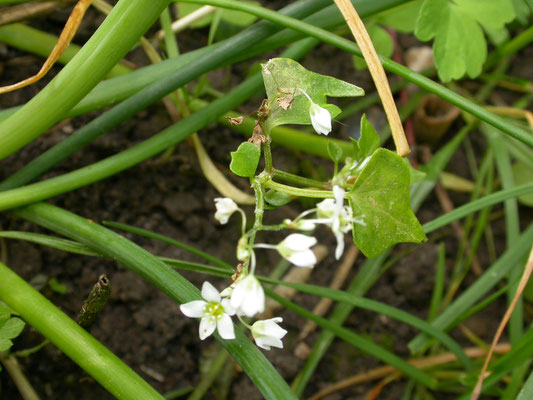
[268, 333]
[320, 118]
[338, 217]
[215, 313]
[248, 297]
[296, 249]
[225, 208]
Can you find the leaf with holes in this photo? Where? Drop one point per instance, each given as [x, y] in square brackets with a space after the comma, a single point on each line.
[380, 195]
[285, 84]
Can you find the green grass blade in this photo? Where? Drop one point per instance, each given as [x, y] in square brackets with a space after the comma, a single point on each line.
[527, 390]
[380, 308]
[389, 65]
[112, 91]
[512, 258]
[34, 41]
[477, 205]
[363, 344]
[113, 39]
[72, 339]
[69, 246]
[127, 253]
[154, 92]
[152, 235]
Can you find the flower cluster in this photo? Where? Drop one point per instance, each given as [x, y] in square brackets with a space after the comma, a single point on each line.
[245, 296]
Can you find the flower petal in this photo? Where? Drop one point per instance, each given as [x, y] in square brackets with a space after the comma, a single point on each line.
[207, 326]
[340, 245]
[225, 327]
[193, 309]
[304, 258]
[225, 208]
[266, 342]
[228, 308]
[210, 293]
[320, 119]
[248, 297]
[297, 242]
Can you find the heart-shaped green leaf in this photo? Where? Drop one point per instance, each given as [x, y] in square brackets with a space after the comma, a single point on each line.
[381, 196]
[285, 84]
[244, 161]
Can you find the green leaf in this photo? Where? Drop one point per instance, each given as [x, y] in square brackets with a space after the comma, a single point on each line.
[276, 198]
[57, 286]
[369, 140]
[285, 80]
[415, 175]
[244, 161]
[459, 47]
[9, 328]
[522, 175]
[238, 18]
[401, 18]
[335, 151]
[489, 13]
[382, 42]
[522, 11]
[380, 195]
[50, 241]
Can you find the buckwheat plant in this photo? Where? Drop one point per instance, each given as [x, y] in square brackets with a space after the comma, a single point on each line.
[368, 196]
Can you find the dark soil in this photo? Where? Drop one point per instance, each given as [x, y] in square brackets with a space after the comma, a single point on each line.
[140, 324]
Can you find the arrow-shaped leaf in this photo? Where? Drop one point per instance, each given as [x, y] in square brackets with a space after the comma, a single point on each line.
[286, 80]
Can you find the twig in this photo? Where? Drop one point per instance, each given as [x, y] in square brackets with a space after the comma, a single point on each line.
[447, 207]
[521, 286]
[378, 74]
[513, 112]
[66, 36]
[427, 362]
[15, 371]
[183, 23]
[25, 11]
[338, 280]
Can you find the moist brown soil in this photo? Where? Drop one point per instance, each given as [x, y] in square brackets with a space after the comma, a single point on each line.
[144, 327]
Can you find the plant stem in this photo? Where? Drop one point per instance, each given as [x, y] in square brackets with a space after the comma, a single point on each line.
[294, 191]
[74, 341]
[104, 49]
[300, 180]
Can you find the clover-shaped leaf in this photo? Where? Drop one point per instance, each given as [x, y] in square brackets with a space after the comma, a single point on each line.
[285, 83]
[380, 195]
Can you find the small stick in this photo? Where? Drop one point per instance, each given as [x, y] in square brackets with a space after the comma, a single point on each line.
[338, 280]
[21, 382]
[66, 36]
[95, 302]
[25, 11]
[378, 74]
[521, 286]
[183, 23]
[427, 362]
